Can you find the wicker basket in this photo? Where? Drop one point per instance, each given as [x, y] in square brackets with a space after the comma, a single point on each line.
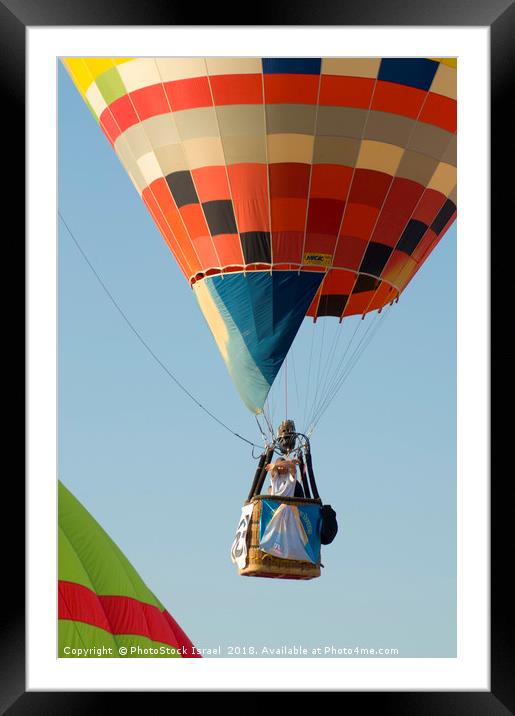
[261, 564]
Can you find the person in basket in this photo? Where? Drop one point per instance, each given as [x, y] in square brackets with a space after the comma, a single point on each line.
[283, 478]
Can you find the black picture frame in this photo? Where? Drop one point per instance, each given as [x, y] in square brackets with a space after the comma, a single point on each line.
[499, 16]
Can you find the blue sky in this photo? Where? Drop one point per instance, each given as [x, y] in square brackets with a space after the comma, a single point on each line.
[167, 483]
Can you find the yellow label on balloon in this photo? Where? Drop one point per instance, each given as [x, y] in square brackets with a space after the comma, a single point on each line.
[316, 259]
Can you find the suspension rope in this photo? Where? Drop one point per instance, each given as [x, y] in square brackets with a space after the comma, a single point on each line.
[268, 421]
[317, 380]
[263, 434]
[340, 370]
[340, 379]
[286, 388]
[145, 344]
[329, 370]
[292, 354]
[308, 383]
[353, 360]
[270, 409]
[311, 415]
[332, 353]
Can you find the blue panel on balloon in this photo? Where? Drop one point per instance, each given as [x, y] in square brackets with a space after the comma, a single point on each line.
[416, 72]
[292, 65]
[268, 309]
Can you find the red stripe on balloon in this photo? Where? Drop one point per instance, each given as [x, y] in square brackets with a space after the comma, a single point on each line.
[440, 111]
[237, 89]
[80, 604]
[340, 91]
[120, 615]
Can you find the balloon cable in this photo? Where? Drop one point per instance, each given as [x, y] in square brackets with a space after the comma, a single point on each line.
[145, 344]
[286, 388]
[365, 340]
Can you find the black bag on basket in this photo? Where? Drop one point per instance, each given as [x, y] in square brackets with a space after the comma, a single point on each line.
[329, 525]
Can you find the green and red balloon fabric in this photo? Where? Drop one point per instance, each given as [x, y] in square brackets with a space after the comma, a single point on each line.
[104, 607]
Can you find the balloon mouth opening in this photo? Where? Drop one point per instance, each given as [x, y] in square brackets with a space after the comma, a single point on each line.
[235, 268]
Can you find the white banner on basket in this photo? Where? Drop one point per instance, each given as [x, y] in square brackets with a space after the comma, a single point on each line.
[239, 545]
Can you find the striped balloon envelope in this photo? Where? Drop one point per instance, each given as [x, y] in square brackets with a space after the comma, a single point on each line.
[284, 187]
[104, 607]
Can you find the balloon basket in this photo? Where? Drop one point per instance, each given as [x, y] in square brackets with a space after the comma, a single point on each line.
[261, 564]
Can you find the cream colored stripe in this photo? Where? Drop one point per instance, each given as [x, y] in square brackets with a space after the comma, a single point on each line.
[149, 167]
[94, 97]
[213, 318]
[379, 156]
[290, 148]
[197, 123]
[233, 65]
[444, 82]
[243, 150]
[241, 120]
[205, 152]
[161, 133]
[138, 74]
[179, 68]
[444, 179]
[351, 66]
[171, 159]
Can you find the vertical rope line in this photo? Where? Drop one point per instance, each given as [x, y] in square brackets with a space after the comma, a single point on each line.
[339, 367]
[394, 175]
[308, 383]
[330, 395]
[263, 435]
[225, 158]
[172, 121]
[267, 165]
[327, 372]
[286, 388]
[360, 349]
[319, 366]
[363, 130]
[294, 370]
[432, 246]
[181, 144]
[323, 404]
[265, 416]
[311, 168]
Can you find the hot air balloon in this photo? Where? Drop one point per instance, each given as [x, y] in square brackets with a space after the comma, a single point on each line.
[284, 187]
[104, 607]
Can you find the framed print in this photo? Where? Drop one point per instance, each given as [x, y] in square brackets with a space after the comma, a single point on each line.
[298, 169]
